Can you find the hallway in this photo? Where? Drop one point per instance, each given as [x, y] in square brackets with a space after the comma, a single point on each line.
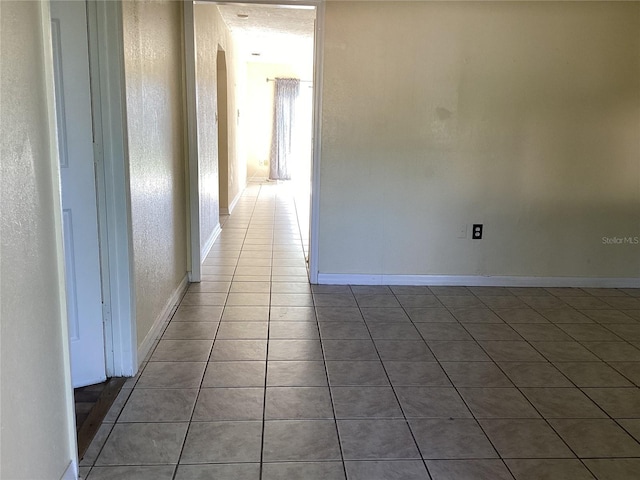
[258, 375]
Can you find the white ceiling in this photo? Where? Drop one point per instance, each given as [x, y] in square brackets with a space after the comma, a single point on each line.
[279, 34]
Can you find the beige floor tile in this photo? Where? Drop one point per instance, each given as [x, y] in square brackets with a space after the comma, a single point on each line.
[235, 374]
[215, 404]
[468, 470]
[592, 374]
[300, 440]
[159, 405]
[306, 470]
[376, 440]
[243, 331]
[476, 374]
[237, 471]
[451, 439]
[296, 374]
[182, 351]
[497, 403]
[152, 472]
[525, 438]
[525, 469]
[591, 438]
[562, 403]
[298, 403]
[222, 442]
[617, 402]
[534, 374]
[193, 313]
[374, 470]
[172, 375]
[190, 331]
[143, 444]
[614, 469]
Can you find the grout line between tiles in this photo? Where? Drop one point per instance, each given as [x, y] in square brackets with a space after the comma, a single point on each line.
[208, 361]
[326, 373]
[266, 362]
[393, 388]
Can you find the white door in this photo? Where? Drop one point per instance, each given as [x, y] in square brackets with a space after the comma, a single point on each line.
[75, 138]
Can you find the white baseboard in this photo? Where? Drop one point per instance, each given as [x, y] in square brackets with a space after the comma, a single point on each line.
[71, 473]
[477, 280]
[207, 247]
[232, 205]
[158, 324]
[235, 201]
[258, 179]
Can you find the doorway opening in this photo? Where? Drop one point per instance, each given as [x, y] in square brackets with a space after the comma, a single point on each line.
[276, 44]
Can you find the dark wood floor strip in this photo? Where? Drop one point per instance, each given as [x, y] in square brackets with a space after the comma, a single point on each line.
[92, 423]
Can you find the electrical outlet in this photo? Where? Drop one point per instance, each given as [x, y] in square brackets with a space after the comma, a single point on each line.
[477, 231]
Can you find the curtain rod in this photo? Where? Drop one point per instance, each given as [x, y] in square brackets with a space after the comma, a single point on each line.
[301, 81]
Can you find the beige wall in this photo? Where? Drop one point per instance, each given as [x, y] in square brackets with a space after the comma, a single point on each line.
[153, 70]
[37, 438]
[223, 131]
[210, 34]
[259, 111]
[522, 116]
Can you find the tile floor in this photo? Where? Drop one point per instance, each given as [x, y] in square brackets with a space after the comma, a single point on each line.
[261, 376]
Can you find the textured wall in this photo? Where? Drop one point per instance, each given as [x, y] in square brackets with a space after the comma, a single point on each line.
[36, 416]
[211, 33]
[153, 69]
[522, 116]
[207, 37]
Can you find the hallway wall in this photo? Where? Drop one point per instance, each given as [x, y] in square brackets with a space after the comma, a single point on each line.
[521, 116]
[211, 32]
[37, 437]
[153, 70]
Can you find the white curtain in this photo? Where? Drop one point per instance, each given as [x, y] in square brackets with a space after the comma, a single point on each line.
[282, 145]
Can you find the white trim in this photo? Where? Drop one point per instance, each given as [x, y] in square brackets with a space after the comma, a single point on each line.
[347, 279]
[71, 473]
[275, 3]
[477, 280]
[212, 239]
[106, 56]
[56, 199]
[314, 221]
[162, 319]
[319, 5]
[192, 136]
[232, 205]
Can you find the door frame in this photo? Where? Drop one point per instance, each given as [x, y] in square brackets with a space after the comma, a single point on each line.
[108, 102]
[195, 271]
[192, 128]
[106, 64]
[222, 120]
